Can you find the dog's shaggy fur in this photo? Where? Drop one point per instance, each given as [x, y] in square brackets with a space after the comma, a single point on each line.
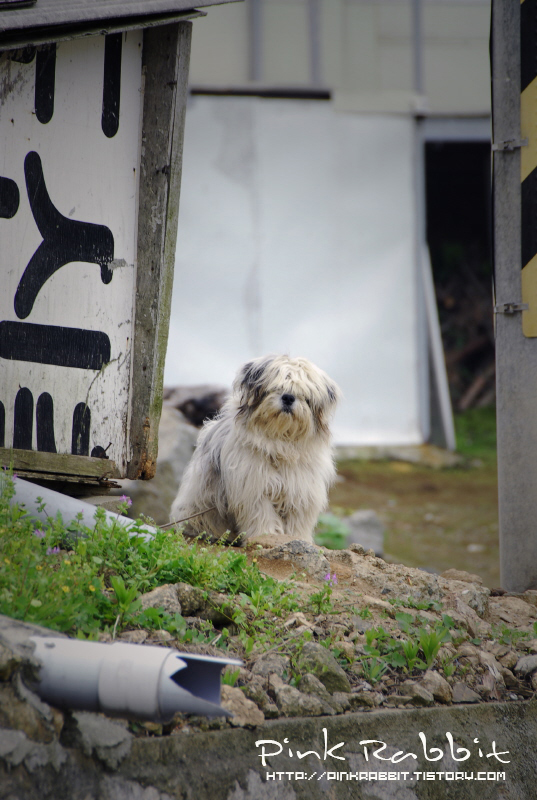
[264, 464]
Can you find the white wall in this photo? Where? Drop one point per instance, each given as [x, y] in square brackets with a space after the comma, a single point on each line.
[296, 234]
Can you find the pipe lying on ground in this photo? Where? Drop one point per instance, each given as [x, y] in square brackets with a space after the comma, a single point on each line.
[120, 679]
[128, 680]
[69, 507]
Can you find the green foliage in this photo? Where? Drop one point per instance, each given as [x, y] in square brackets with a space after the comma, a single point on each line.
[475, 431]
[94, 585]
[331, 532]
[230, 677]
[510, 636]
[417, 651]
[373, 669]
[429, 605]
[321, 601]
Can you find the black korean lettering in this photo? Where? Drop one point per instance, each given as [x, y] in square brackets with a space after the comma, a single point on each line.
[64, 240]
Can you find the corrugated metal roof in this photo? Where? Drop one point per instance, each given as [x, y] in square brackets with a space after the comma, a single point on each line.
[53, 13]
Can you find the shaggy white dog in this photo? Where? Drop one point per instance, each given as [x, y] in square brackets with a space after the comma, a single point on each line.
[264, 464]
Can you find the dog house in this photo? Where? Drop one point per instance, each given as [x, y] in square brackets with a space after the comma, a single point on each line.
[93, 100]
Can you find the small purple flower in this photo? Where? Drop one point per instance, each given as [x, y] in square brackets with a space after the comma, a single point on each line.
[39, 533]
[331, 579]
[126, 499]
[52, 551]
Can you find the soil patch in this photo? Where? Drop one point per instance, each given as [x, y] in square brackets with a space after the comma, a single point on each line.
[435, 519]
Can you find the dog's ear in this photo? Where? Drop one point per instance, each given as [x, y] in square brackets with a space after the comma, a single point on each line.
[254, 371]
[333, 393]
[249, 381]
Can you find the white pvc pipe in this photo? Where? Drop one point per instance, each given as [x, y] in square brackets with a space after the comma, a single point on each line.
[128, 680]
[69, 507]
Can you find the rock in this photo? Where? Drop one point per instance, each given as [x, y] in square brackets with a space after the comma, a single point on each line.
[96, 735]
[160, 636]
[526, 665]
[510, 681]
[342, 699]
[304, 556]
[420, 696]
[245, 713]
[9, 662]
[177, 442]
[509, 660]
[191, 598]
[16, 748]
[254, 691]
[461, 575]
[396, 700]
[345, 557]
[367, 530]
[515, 612]
[16, 712]
[463, 694]
[196, 403]
[134, 637]
[164, 597]
[271, 711]
[293, 703]
[437, 686]
[467, 598]
[212, 606]
[467, 649]
[272, 663]
[297, 620]
[217, 609]
[468, 618]
[348, 650]
[493, 666]
[354, 547]
[320, 662]
[365, 699]
[309, 684]
[477, 597]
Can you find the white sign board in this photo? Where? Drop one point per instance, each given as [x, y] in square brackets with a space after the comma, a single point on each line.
[70, 122]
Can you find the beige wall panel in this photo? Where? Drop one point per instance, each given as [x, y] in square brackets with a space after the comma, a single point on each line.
[395, 67]
[285, 43]
[457, 80]
[220, 47]
[360, 52]
[331, 55]
[451, 20]
[395, 21]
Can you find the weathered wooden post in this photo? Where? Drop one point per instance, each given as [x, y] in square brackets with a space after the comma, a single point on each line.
[514, 93]
[92, 107]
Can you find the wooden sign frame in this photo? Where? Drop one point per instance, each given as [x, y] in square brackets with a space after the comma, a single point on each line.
[165, 61]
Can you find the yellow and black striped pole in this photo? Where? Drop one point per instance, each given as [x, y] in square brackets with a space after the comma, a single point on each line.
[528, 162]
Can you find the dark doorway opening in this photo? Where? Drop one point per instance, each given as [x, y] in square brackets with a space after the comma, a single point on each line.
[458, 218]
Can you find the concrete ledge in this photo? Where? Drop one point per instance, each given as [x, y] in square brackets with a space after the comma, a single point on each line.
[226, 764]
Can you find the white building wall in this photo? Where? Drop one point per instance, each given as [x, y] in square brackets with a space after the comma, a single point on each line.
[296, 234]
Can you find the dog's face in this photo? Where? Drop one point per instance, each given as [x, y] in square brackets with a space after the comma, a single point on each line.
[285, 398]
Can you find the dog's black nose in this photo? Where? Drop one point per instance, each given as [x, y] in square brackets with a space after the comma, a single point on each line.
[288, 400]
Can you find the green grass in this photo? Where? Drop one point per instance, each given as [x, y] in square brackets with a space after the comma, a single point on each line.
[84, 580]
[475, 431]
